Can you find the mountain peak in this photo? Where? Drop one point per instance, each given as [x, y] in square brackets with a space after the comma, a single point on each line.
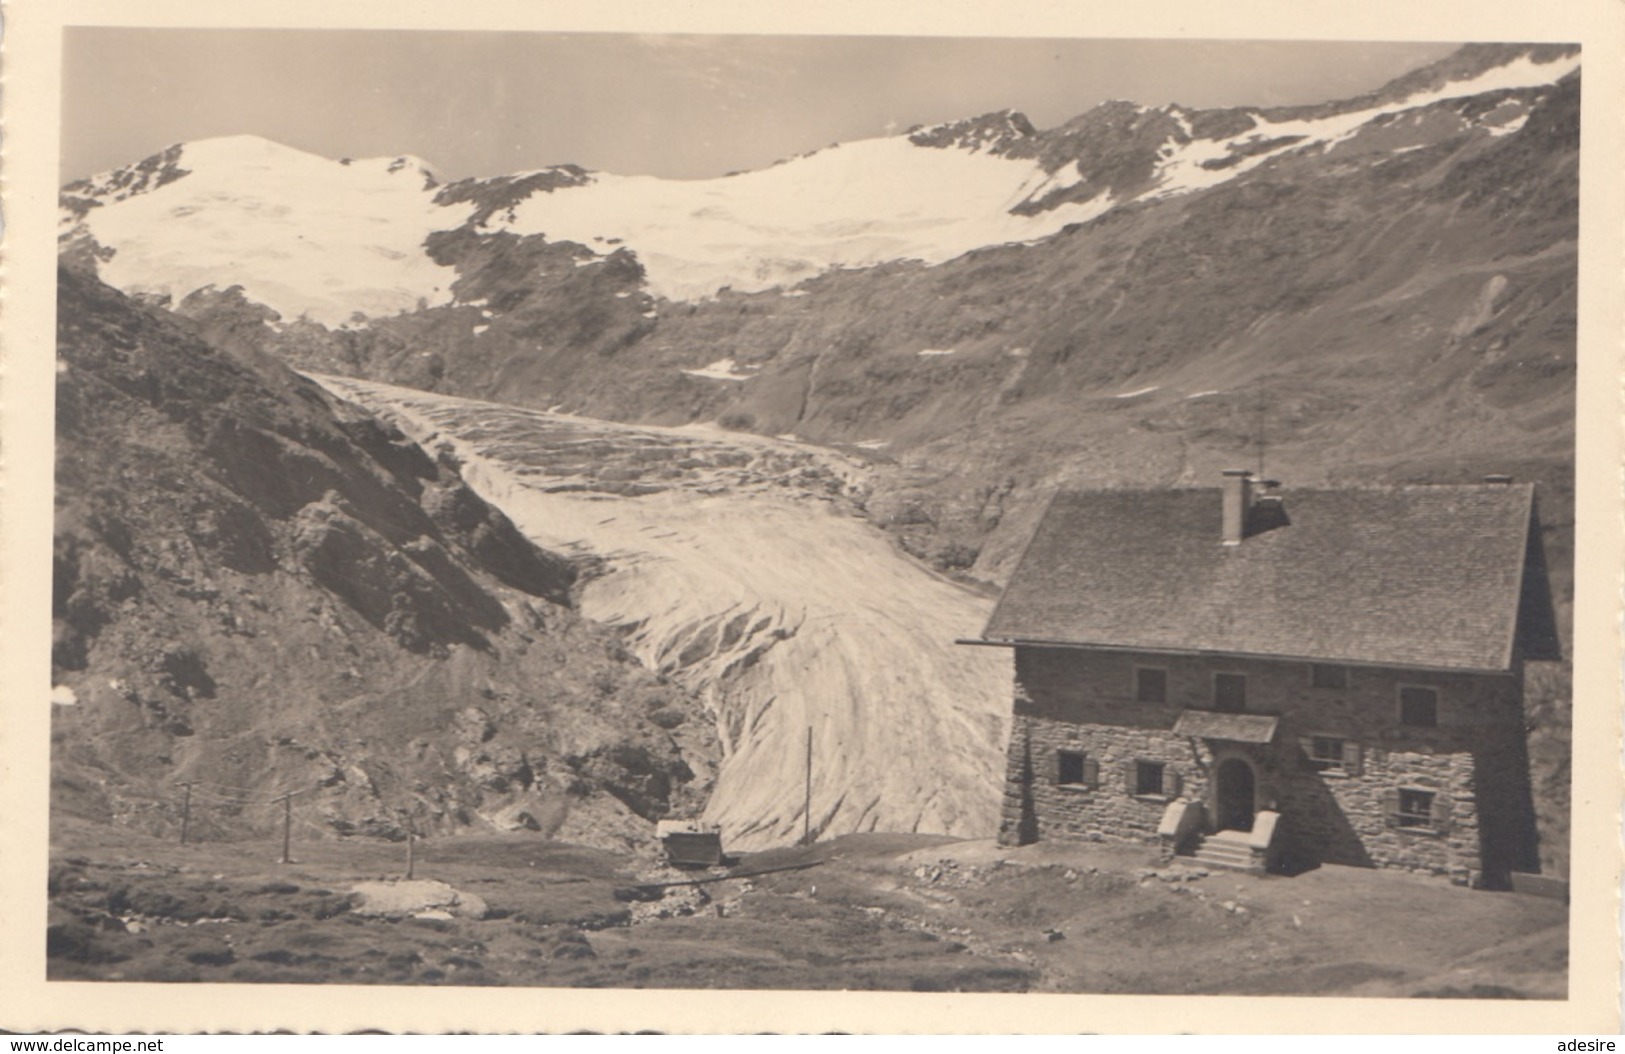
[254, 151]
[1480, 66]
[241, 144]
[403, 166]
[230, 152]
[82, 195]
[1472, 69]
[165, 167]
[226, 153]
[304, 235]
[992, 133]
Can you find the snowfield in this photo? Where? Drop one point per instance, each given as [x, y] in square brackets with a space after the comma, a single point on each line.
[303, 235]
[781, 610]
[720, 370]
[1183, 171]
[332, 241]
[855, 205]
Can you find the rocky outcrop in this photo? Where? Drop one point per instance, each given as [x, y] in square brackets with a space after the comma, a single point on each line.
[502, 193]
[82, 195]
[994, 133]
[420, 898]
[260, 588]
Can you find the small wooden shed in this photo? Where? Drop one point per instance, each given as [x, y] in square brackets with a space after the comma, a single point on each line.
[690, 843]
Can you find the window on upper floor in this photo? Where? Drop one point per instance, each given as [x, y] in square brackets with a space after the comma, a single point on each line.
[1323, 675]
[1418, 706]
[1326, 752]
[1230, 692]
[1150, 685]
[1332, 754]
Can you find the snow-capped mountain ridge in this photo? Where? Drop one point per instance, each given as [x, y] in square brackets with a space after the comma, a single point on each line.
[333, 240]
[301, 234]
[1195, 163]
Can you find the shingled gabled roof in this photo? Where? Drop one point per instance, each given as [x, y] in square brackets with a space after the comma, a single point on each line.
[1425, 576]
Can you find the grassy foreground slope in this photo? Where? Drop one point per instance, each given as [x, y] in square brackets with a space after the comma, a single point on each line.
[890, 912]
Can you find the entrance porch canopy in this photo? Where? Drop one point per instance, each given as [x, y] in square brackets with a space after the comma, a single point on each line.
[1238, 728]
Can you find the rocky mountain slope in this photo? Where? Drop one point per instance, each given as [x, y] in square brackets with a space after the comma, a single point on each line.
[261, 589]
[737, 566]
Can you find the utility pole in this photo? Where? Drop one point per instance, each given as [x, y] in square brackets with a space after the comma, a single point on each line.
[287, 827]
[186, 809]
[806, 806]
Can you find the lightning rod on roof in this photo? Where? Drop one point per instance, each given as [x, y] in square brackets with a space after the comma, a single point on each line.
[1259, 433]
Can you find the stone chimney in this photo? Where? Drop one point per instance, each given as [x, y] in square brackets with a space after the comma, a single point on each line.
[1237, 500]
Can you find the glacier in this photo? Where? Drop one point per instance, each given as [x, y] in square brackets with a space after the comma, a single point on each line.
[729, 565]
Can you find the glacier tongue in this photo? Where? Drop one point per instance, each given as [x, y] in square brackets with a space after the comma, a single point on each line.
[730, 564]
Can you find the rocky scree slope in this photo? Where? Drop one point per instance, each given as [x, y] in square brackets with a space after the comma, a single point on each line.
[261, 588]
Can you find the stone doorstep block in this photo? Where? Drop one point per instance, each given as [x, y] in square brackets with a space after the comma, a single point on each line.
[1548, 886]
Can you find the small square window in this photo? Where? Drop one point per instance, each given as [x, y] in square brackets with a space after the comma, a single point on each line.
[1333, 754]
[1148, 778]
[1074, 768]
[1326, 752]
[1415, 808]
[1229, 692]
[1150, 685]
[1322, 675]
[1419, 707]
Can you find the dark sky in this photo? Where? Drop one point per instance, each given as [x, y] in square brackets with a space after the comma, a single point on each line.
[484, 103]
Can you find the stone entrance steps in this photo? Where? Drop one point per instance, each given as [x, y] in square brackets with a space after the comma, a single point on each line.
[1227, 849]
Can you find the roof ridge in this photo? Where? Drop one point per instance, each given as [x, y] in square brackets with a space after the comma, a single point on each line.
[1412, 574]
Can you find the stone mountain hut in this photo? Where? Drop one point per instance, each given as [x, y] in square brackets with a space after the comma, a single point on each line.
[1275, 680]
